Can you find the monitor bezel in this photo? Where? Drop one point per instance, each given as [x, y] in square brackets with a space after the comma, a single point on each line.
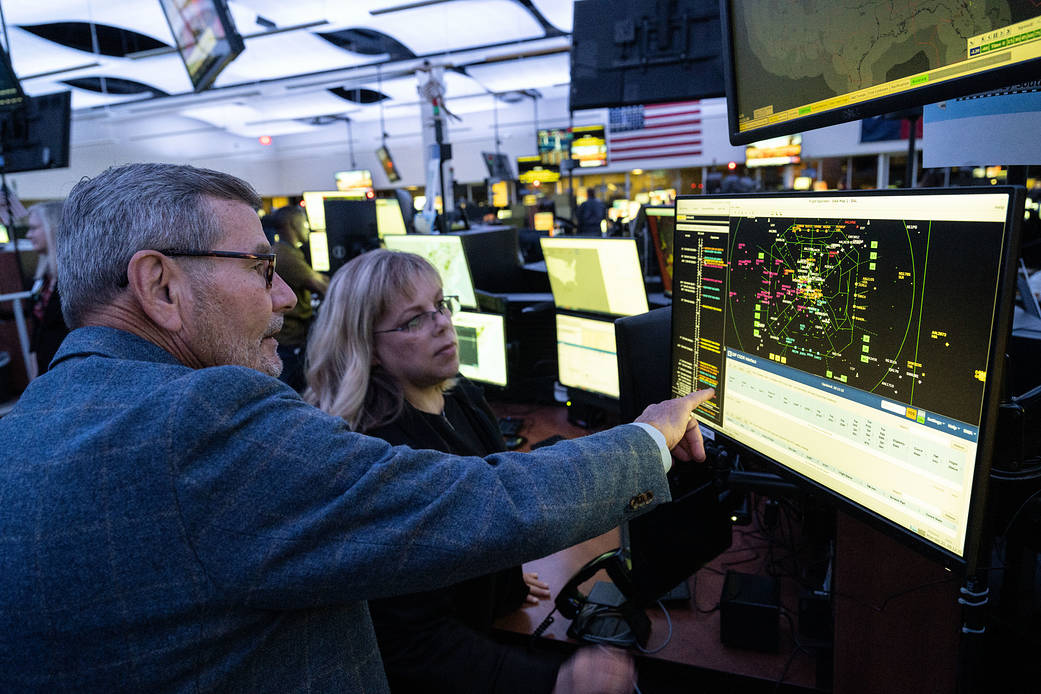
[225, 51]
[992, 393]
[903, 101]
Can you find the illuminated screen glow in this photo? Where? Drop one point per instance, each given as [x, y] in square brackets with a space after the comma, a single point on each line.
[597, 275]
[388, 217]
[849, 338]
[482, 346]
[318, 243]
[314, 205]
[446, 254]
[587, 357]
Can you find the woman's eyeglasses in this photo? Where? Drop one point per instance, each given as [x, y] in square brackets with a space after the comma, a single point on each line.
[446, 307]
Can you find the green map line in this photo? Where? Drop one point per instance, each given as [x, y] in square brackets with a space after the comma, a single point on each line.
[921, 304]
[910, 312]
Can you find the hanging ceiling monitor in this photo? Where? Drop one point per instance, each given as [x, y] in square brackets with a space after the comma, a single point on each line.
[205, 36]
[482, 346]
[629, 52]
[857, 341]
[586, 354]
[387, 163]
[11, 94]
[446, 254]
[792, 67]
[589, 146]
[498, 166]
[354, 181]
[596, 275]
[554, 145]
[35, 136]
[532, 171]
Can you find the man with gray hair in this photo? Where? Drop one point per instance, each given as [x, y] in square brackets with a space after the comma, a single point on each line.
[173, 518]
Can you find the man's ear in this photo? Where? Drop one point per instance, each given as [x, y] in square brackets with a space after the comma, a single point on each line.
[160, 287]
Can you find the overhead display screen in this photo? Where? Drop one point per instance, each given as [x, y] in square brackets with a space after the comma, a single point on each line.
[854, 339]
[794, 66]
[589, 146]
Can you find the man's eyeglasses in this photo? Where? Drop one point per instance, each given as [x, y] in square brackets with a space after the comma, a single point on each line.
[269, 269]
[446, 307]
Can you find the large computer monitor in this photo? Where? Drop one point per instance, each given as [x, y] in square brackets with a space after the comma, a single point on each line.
[533, 171]
[661, 224]
[446, 254]
[792, 67]
[596, 275]
[494, 256]
[482, 346]
[856, 340]
[205, 35]
[389, 219]
[586, 354]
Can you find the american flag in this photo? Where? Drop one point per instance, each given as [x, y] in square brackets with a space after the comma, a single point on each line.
[654, 131]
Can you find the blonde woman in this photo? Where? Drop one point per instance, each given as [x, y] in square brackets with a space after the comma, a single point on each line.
[382, 354]
[48, 326]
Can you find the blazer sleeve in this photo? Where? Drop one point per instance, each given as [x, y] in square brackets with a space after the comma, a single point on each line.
[283, 503]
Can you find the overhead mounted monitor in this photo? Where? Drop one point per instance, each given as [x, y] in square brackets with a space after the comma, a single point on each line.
[589, 146]
[446, 254]
[856, 340]
[205, 36]
[11, 94]
[586, 354]
[531, 171]
[554, 145]
[356, 181]
[314, 205]
[482, 346]
[36, 135]
[595, 274]
[792, 67]
[777, 151]
[498, 166]
[627, 52]
[387, 163]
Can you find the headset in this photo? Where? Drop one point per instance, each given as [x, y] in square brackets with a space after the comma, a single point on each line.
[570, 601]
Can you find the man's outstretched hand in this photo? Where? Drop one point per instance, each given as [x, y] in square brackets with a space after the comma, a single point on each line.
[675, 419]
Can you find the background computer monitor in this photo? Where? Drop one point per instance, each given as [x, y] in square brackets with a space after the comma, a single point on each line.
[857, 341]
[389, 219]
[594, 274]
[205, 35]
[588, 146]
[494, 257]
[446, 254]
[790, 69]
[661, 223]
[482, 346]
[314, 205]
[498, 165]
[351, 229]
[586, 355]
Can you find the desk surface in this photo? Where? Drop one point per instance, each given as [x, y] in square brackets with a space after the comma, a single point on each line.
[695, 638]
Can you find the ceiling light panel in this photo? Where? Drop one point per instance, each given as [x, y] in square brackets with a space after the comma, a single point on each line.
[284, 55]
[446, 26]
[559, 13]
[530, 73]
[142, 16]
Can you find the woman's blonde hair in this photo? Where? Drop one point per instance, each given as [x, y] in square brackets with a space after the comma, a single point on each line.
[341, 377]
[49, 214]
